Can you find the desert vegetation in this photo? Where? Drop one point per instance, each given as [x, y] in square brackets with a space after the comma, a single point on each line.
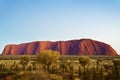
[50, 65]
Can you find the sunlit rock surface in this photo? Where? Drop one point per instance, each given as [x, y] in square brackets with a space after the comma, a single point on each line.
[70, 47]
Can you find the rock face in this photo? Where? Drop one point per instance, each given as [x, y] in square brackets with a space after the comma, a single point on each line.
[71, 47]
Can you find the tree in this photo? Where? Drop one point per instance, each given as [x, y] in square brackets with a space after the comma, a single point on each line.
[48, 57]
[84, 60]
[116, 63]
[97, 62]
[24, 61]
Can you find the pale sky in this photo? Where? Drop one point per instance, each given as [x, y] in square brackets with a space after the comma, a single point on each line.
[36, 20]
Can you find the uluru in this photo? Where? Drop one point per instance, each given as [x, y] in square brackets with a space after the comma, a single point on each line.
[70, 47]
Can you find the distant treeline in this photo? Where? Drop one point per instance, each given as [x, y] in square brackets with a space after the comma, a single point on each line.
[18, 57]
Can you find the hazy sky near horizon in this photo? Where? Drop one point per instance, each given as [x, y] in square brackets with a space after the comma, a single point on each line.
[35, 20]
